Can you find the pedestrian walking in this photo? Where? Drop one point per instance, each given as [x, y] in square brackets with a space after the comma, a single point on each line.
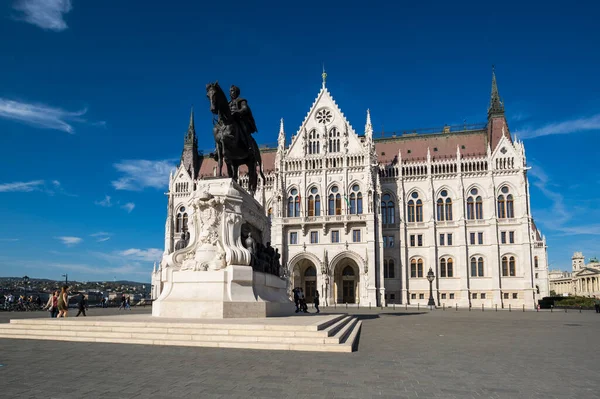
[81, 305]
[317, 301]
[597, 304]
[63, 302]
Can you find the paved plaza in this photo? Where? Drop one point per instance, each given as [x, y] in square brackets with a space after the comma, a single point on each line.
[401, 354]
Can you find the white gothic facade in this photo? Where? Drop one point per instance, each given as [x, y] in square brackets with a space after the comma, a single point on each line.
[363, 219]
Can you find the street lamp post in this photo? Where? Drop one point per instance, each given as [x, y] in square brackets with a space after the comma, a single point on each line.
[66, 276]
[430, 278]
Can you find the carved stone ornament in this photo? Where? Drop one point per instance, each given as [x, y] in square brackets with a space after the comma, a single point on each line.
[218, 209]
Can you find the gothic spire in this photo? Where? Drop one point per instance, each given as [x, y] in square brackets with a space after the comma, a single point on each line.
[281, 137]
[324, 76]
[189, 156]
[190, 137]
[496, 104]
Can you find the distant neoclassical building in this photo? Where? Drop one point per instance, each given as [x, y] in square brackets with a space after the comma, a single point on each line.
[362, 219]
[583, 280]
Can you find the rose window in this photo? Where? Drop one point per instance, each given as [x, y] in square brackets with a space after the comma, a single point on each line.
[324, 116]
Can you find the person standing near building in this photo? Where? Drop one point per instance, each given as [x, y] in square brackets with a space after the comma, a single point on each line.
[597, 304]
[317, 301]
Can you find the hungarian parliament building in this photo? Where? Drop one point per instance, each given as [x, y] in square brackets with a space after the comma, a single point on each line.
[364, 219]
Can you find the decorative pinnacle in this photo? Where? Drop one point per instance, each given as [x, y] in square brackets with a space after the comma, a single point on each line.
[324, 76]
[369, 118]
[191, 126]
[496, 105]
[281, 131]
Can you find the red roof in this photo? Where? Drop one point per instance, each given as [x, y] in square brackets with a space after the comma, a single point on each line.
[441, 145]
[413, 147]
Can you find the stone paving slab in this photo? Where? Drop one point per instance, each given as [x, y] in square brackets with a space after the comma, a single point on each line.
[403, 354]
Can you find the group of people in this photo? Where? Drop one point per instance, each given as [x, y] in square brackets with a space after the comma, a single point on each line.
[11, 300]
[58, 303]
[300, 300]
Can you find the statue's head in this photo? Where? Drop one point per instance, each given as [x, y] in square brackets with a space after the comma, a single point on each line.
[234, 92]
[249, 235]
[183, 235]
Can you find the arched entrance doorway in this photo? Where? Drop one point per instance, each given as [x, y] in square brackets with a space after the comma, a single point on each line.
[305, 276]
[346, 280]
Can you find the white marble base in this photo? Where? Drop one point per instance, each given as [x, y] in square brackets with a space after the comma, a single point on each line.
[233, 292]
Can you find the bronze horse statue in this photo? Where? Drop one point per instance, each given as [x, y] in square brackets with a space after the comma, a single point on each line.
[231, 146]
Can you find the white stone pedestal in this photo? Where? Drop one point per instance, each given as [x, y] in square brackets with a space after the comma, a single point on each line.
[211, 277]
[233, 292]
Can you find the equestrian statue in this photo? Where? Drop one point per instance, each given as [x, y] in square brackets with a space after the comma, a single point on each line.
[233, 130]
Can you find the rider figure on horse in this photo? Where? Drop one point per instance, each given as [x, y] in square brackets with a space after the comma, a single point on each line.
[242, 114]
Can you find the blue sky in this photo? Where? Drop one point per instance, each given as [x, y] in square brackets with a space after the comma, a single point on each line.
[95, 98]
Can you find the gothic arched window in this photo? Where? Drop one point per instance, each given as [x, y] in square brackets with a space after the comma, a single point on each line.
[476, 266]
[356, 206]
[294, 204]
[314, 202]
[446, 267]
[444, 206]
[510, 207]
[314, 146]
[181, 221]
[419, 210]
[508, 266]
[416, 267]
[334, 141]
[388, 210]
[506, 208]
[440, 209]
[331, 205]
[388, 268]
[335, 201]
[474, 205]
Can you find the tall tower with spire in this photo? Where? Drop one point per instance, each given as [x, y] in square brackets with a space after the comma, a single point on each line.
[496, 105]
[189, 157]
[497, 125]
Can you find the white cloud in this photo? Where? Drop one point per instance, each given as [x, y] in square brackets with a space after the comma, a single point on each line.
[22, 186]
[47, 14]
[128, 207]
[565, 127]
[148, 255]
[35, 185]
[9, 239]
[140, 173]
[39, 115]
[560, 218]
[105, 202]
[101, 236]
[69, 240]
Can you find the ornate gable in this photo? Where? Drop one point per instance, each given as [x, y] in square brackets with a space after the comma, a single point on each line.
[324, 120]
[506, 155]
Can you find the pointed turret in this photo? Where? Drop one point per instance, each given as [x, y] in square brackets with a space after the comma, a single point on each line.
[189, 156]
[324, 76]
[496, 118]
[281, 137]
[369, 125]
[496, 105]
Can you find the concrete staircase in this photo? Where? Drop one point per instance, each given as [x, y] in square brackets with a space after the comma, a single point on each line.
[335, 333]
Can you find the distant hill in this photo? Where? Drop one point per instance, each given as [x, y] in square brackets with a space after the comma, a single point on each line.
[33, 279]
